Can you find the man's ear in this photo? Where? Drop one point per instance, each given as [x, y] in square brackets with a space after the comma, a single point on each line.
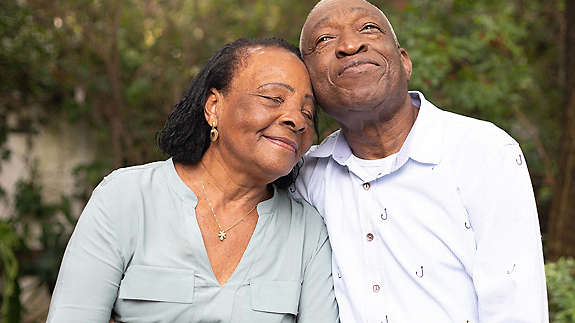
[406, 62]
[213, 106]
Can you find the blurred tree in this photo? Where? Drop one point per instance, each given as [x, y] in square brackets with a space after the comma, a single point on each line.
[562, 217]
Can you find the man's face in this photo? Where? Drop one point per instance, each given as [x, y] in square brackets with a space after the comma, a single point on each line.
[354, 61]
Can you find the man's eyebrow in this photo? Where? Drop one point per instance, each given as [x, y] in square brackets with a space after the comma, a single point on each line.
[321, 22]
[361, 9]
[352, 9]
[277, 84]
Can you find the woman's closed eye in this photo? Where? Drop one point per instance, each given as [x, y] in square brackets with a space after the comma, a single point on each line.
[274, 99]
[308, 114]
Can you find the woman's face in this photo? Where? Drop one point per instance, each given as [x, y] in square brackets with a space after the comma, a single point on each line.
[265, 118]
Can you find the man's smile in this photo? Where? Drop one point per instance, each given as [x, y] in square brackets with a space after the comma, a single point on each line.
[357, 66]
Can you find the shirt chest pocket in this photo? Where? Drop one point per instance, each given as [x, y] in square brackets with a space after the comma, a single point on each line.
[157, 284]
[275, 296]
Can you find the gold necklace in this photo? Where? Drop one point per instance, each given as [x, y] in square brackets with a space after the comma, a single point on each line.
[222, 234]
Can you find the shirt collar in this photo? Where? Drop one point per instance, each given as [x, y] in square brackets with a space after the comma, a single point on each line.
[423, 143]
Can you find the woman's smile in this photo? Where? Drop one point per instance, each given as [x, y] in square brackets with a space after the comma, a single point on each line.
[283, 142]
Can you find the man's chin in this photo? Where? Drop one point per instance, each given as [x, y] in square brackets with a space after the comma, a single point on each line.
[340, 107]
[359, 96]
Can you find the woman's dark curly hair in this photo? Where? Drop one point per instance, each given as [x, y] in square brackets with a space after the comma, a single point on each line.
[185, 136]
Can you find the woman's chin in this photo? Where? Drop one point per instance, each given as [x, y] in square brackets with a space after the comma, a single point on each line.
[273, 173]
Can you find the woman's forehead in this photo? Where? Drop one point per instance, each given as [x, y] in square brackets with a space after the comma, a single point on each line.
[270, 64]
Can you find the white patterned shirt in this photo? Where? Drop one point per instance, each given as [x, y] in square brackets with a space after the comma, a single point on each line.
[446, 230]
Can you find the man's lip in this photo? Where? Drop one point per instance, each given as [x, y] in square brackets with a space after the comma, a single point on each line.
[283, 142]
[356, 62]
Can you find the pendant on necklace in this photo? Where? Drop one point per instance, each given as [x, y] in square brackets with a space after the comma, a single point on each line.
[222, 235]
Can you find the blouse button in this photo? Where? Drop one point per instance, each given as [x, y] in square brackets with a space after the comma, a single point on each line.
[366, 186]
[369, 237]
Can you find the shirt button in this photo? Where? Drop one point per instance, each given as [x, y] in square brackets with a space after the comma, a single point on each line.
[376, 288]
[369, 237]
[366, 186]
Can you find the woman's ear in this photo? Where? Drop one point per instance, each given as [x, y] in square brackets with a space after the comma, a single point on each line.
[213, 106]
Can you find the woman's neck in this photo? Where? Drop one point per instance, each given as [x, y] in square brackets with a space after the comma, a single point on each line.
[223, 184]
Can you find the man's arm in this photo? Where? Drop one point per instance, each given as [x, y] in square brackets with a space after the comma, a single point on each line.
[508, 271]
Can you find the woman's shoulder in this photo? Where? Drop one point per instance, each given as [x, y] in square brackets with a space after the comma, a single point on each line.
[132, 179]
[309, 228]
[302, 212]
[125, 190]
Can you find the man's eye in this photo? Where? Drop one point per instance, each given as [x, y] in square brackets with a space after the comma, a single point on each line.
[322, 39]
[370, 27]
[307, 114]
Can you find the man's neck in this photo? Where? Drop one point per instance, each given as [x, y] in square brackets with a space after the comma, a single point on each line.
[381, 136]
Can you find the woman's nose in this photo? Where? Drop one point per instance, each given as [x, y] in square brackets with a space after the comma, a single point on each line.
[294, 119]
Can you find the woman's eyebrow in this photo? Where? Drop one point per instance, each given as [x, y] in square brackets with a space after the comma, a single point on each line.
[311, 98]
[277, 84]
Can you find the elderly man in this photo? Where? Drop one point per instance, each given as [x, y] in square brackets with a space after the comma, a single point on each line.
[431, 215]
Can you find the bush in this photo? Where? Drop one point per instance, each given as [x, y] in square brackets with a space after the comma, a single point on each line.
[561, 290]
[10, 307]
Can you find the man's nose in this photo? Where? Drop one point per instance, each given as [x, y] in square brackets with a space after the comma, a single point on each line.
[350, 44]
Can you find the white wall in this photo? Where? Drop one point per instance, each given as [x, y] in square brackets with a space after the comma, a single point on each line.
[57, 149]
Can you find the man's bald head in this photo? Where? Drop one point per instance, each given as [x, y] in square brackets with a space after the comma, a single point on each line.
[326, 5]
[354, 60]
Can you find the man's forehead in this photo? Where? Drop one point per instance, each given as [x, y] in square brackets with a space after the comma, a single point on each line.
[321, 13]
[322, 9]
[326, 17]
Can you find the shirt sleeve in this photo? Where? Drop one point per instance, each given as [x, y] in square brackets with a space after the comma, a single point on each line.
[508, 271]
[317, 299]
[91, 269]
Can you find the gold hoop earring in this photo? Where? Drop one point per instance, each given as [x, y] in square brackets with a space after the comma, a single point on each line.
[214, 132]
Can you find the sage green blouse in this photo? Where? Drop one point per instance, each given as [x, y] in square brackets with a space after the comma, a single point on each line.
[137, 255]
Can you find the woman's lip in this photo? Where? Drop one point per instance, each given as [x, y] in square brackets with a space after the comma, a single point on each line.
[283, 142]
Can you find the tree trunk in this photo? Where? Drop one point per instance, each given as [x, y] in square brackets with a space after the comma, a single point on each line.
[561, 237]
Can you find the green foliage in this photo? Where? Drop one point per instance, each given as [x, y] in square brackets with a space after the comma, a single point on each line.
[10, 311]
[118, 67]
[37, 233]
[43, 226]
[561, 290]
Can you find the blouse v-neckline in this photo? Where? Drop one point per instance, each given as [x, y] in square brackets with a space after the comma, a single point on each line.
[251, 252]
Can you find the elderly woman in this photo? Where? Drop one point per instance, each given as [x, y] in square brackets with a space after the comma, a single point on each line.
[210, 235]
